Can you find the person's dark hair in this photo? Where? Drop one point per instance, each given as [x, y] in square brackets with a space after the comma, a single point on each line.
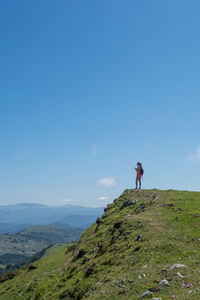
[141, 168]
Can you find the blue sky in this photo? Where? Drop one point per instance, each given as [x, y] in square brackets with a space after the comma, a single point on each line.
[88, 88]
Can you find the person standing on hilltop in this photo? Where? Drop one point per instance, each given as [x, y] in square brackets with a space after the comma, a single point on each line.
[140, 172]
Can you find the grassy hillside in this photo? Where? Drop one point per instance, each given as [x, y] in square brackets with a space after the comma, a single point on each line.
[146, 241]
[16, 248]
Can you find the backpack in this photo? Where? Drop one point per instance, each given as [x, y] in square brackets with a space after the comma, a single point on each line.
[142, 171]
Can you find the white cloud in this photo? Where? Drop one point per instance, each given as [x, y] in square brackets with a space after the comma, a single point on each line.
[107, 182]
[195, 157]
[103, 198]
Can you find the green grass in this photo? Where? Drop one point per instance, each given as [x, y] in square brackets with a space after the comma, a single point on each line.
[109, 263]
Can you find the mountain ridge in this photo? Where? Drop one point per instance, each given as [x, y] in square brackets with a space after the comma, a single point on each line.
[42, 215]
[146, 244]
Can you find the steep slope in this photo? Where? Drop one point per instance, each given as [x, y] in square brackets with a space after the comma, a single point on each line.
[146, 240]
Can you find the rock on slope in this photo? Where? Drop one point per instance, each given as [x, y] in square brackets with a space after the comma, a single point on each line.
[147, 244]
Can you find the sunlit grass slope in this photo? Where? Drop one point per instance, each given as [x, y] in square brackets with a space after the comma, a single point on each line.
[146, 241]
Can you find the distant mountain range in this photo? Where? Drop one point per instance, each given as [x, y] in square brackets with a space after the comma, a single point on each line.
[16, 249]
[26, 229]
[14, 218]
[80, 221]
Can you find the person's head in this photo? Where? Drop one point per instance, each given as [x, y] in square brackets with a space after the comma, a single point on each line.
[139, 165]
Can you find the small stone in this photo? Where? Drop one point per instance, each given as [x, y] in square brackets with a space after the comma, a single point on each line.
[139, 277]
[98, 221]
[154, 198]
[154, 289]
[147, 294]
[125, 204]
[144, 267]
[144, 275]
[176, 266]
[179, 209]
[128, 203]
[89, 292]
[122, 291]
[156, 298]
[164, 282]
[187, 285]
[168, 205]
[139, 238]
[117, 225]
[180, 275]
[136, 249]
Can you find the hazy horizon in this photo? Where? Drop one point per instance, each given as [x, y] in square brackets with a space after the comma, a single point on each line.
[42, 204]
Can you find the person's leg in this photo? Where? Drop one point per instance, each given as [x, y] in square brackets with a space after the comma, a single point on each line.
[136, 182]
[140, 183]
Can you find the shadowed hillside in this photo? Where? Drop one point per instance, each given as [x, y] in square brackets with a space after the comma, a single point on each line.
[147, 244]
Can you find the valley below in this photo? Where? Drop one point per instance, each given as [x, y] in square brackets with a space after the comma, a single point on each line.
[26, 230]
